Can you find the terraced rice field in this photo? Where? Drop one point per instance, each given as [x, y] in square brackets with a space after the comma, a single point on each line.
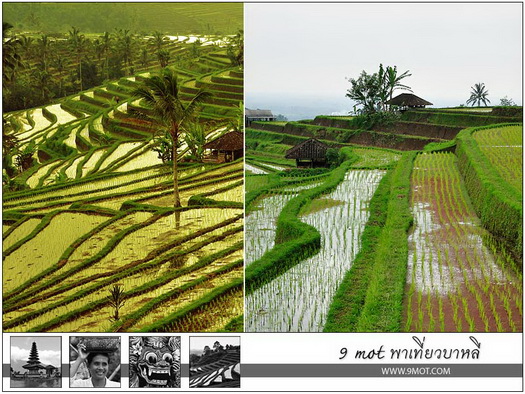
[298, 300]
[261, 224]
[96, 213]
[503, 146]
[457, 279]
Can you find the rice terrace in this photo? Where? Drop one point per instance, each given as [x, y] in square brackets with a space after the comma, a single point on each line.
[123, 169]
[395, 218]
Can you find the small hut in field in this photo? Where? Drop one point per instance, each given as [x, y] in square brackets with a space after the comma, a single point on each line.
[407, 100]
[226, 148]
[310, 153]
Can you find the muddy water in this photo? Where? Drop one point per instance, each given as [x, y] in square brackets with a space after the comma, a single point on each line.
[299, 299]
[455, 281]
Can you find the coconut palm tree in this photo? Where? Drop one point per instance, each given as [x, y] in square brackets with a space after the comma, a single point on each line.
[158, 40]
[164, 57]
[26, 43]
[478, 95]
[126, 47]
[59, 64]
[392, 80]
[11, 60]
[106, 40]
[169, 112]
[79, 44]
[44, 48]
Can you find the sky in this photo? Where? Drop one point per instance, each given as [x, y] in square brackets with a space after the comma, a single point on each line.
[298, 55]
[197, 344]
[48, 351]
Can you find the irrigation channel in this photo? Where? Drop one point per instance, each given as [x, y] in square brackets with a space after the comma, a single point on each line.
[457, 278]
[298, 300]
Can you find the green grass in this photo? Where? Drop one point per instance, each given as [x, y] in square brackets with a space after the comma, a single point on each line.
[370, 297]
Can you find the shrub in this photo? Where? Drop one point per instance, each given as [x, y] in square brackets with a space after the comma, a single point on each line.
[377, 119]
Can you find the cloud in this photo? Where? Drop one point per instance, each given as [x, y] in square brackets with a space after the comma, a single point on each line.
[46, 356]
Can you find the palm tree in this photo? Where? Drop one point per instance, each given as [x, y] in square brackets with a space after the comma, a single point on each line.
[164, 57]
[60, 66]
[106, 48]
[393, 81]
[26, 43]
[42, 80]
[161, 94]
[235, 49]
[158, 40]
[116, 300]
[126, 46]
[44, 46]
[11, 60]
[195, 138]
[144, 57]
[478, 95]
[78, 43]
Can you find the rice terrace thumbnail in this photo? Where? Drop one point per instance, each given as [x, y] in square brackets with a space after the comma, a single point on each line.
[122, 167]
[399, 214]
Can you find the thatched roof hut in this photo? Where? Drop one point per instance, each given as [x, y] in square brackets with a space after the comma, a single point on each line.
[309, 153]
[227, 147]
[408, 100]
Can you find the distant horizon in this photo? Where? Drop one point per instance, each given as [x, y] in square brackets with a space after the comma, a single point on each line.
[307, 107]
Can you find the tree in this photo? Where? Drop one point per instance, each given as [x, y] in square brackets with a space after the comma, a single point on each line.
[158, 40]
[42, 80]
[478, 95]
[163, 145]
[116, 300]
[126, 47]
[195, 138]
[235, 49]
[44, 47]
[26, 43]
[237, 123]
[144, 57]
[164, 57]
[506, 102]
[170, 113]
[59, 64]
[372, 91]
[11, 60]
[9, 141]
[24, 159]
[78, 44]
[105, 42]
[393, 80]
[365, 91]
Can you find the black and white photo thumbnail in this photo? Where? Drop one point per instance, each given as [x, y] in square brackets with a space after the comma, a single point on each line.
[35, 362]
[154, 361]
[215, 362]
[94, 362]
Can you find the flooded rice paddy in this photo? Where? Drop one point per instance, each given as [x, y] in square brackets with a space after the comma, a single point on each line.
[457, 280]
[298, 300]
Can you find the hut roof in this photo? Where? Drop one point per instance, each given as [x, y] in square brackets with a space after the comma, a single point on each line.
[258, 113]
[309, 149]
[233, 140]
[408, 99]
